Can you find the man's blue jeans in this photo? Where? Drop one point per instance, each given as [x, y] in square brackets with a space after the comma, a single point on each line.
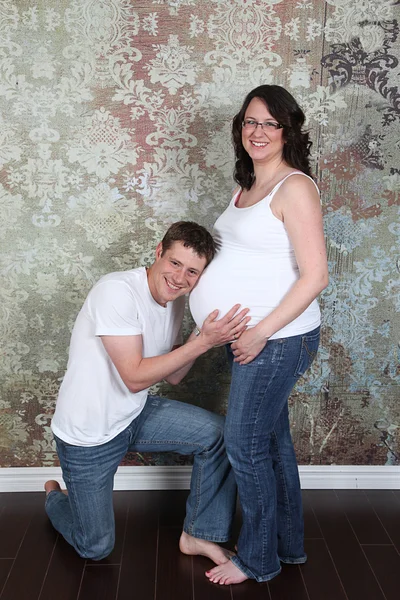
[260, 449]
[85, 517]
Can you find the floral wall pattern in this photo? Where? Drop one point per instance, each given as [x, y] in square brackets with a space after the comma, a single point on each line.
[115, 122]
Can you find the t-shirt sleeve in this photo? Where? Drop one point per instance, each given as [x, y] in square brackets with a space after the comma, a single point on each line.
[113, 308]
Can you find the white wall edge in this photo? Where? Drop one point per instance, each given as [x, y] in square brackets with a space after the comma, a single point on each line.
[31, 479]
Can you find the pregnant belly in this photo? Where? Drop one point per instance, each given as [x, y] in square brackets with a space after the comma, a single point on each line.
[221, 289]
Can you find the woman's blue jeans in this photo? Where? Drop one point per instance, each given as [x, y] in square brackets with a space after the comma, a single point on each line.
[86, 518]
[260, 449]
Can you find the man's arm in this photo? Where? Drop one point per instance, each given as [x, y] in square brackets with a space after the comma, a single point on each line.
[139, 373]
[175, 378]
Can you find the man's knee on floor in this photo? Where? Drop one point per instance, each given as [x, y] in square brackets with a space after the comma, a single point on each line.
[97, 548]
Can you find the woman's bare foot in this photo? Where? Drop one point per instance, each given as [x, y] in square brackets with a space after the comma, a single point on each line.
[193, 546]
[53, 485]
[226, 574]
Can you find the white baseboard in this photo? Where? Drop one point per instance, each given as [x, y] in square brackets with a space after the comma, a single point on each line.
[349, 477]
[31, 479]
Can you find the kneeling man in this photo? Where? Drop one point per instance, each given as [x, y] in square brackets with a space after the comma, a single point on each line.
[126, 338]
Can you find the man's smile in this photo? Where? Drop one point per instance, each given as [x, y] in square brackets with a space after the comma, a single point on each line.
[171, 285]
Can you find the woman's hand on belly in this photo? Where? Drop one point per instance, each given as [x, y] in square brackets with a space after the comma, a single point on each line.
[248, 346]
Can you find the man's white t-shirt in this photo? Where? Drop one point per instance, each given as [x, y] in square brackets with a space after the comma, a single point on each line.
[94, 405]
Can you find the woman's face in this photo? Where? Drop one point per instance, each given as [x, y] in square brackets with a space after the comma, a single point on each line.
[262, 144]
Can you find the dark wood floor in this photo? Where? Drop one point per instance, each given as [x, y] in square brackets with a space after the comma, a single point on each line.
[352, 542]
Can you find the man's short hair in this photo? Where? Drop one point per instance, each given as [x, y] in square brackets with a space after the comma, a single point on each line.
[191, 235]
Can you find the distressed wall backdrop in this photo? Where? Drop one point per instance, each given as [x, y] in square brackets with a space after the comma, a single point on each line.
[115, 122]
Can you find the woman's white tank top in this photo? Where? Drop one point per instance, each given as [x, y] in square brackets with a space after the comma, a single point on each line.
[255, 266]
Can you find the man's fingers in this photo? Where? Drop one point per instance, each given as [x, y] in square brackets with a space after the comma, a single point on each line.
[231, 313]
[242, 325]
[240, 316]
[212, 316]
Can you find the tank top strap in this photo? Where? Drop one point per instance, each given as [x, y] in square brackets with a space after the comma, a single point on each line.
[278, 185]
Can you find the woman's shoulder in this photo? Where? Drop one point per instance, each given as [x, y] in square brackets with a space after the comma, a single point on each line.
[297, 181]
[296, 191]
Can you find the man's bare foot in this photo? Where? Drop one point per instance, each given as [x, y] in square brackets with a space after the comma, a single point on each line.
[53, 485]
[191, 545]
[226, 574]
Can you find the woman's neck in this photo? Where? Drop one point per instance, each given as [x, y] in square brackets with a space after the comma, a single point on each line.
[268, 172]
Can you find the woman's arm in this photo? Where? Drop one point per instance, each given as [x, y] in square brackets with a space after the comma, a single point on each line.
[298, 206]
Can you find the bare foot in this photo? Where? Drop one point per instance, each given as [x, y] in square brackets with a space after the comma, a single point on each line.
[226, 574]
[53, 485]
[191, 545]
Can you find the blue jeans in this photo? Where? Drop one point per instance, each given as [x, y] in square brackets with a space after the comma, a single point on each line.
[260, 449]
[85, 517]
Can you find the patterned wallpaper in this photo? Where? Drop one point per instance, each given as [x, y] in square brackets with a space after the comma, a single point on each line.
[115, 121]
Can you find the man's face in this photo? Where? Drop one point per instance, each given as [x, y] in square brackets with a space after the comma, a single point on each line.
[174, 273]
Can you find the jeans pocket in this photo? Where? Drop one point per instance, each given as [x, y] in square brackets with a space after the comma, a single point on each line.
[308, 351]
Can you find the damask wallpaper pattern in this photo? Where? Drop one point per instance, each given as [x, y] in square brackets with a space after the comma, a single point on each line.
[115, 122]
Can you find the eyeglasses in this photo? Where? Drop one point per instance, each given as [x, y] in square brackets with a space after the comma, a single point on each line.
[251, 125]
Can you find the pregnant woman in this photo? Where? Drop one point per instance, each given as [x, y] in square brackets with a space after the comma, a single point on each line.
[272, 259]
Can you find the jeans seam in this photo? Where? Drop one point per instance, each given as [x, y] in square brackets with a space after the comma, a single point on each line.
[76, 504]
[281, 472]
[198, 491]
[265, 527]
[311, 355]
[161, 442]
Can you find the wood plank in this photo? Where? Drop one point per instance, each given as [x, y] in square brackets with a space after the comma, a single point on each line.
[139, 558]
[289, 584]
[30, 566]
[386, 507]
[319, 573]
[385, 562]
[99, 582]
[174, 570]
[311, 526]
[172, 510]
[15, 518]
[352, 566]
[362, 517]
[151, 558]
[5, 568]
[64, 575]
[251, 590]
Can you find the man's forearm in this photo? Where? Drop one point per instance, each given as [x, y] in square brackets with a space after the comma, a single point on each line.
[172, 366]
[177, 376]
